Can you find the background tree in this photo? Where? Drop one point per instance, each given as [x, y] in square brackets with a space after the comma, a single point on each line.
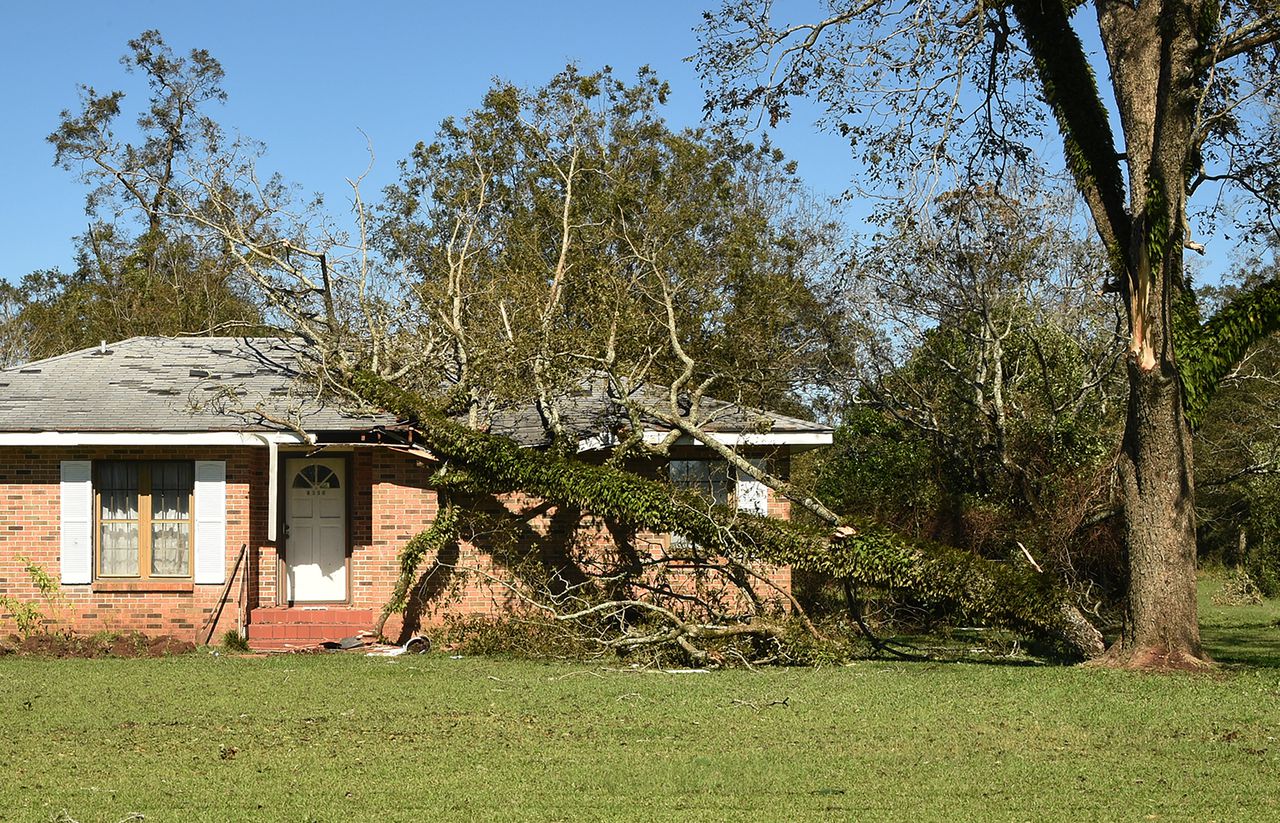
[567, 231]
[1238, 456]
[987, 401]
[929, 91]
[137, 272]
[991, 342]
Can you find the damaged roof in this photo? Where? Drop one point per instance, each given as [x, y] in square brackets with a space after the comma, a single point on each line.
[172, 384]
[592, 412]
[200, 384]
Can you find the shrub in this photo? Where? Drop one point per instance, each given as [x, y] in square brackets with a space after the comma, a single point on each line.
[1263, 565]
[234, 641]
[1238, 589]
[30, 616]
[516, 635]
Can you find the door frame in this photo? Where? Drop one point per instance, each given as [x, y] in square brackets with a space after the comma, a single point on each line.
[282, 518]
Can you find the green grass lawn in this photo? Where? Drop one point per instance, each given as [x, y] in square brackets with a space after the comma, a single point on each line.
[344, 737]
[1239, 635]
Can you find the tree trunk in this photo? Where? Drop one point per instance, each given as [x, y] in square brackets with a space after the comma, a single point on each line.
[1161, 628]
[1153, 50]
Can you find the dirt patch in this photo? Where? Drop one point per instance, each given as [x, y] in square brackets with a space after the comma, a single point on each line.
[127, 644]
[1157, 659]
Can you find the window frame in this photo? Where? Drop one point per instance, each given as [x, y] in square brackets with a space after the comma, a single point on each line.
[714, 466]
[144, 521]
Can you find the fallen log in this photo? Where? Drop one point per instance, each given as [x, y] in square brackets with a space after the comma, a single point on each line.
[865, 554]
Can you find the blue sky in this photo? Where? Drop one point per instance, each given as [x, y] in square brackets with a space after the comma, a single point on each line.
[306, 77]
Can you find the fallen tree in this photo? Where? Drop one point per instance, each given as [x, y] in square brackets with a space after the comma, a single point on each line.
[414, 312]
[862, 554]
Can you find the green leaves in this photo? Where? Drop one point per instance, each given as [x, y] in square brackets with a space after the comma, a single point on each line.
[1208, 352]
[999, 593]
[547, 226]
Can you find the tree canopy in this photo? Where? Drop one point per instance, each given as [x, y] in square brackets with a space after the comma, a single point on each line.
[138, 270]
[928, 92]
[568, 229]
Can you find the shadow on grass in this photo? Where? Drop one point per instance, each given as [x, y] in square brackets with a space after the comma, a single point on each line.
[1245, 635]
[981, 647]
[1246, 644]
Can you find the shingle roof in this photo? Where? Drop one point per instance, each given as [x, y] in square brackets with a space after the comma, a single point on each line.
[189, 384]
[159, 384]
[591, 412]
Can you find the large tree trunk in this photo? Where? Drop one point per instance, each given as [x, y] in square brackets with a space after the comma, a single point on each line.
[1161, 628]
[1152, 49]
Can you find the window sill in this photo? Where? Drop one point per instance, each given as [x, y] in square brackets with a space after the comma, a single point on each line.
[172, 586]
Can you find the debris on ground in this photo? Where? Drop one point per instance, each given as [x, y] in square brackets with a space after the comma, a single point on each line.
[365, 642]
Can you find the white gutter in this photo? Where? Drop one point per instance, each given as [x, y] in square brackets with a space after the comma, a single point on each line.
[810, 439]
[60, 438]
[273, 492]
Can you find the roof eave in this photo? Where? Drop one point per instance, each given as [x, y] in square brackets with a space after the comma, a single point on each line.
[149, 438]
[797, 440]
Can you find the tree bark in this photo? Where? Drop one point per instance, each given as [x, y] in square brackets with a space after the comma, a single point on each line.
[1161, 627]
[1152, 49]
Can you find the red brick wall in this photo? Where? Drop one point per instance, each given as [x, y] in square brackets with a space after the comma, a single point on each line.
[389, 503]
[29, 528]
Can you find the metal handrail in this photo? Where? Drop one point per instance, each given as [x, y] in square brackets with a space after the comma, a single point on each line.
[212, 620]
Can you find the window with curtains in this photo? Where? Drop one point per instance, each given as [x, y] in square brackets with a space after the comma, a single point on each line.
[143, 518]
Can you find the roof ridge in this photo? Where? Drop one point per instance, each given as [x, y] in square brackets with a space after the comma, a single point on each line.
[763, 413]
[778, 416]
[32, 363]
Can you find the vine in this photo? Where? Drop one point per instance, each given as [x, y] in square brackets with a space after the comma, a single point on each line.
[1207, 352]
[1071, 91]
[865, 555]
[426, 542]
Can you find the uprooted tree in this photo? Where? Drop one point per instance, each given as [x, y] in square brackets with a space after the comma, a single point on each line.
[927, 90]
[564, 235]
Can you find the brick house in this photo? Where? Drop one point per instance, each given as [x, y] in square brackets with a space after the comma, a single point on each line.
[188, 486]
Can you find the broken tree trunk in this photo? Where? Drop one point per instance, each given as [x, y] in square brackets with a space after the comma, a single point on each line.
[1001, 594]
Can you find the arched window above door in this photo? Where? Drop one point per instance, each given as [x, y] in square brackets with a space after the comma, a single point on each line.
[315, 476]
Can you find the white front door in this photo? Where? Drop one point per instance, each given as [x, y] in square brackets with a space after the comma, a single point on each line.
[315, 532]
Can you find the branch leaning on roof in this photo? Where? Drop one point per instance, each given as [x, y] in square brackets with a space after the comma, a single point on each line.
[687, 426]
[866, 554]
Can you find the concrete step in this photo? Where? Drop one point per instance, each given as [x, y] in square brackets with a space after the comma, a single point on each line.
[310, 614]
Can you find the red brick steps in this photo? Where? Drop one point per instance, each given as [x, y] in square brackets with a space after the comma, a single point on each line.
[279, 627]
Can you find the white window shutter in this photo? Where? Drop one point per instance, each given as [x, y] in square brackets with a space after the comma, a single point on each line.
[76, 533]
[211, 521]
[753, 496]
